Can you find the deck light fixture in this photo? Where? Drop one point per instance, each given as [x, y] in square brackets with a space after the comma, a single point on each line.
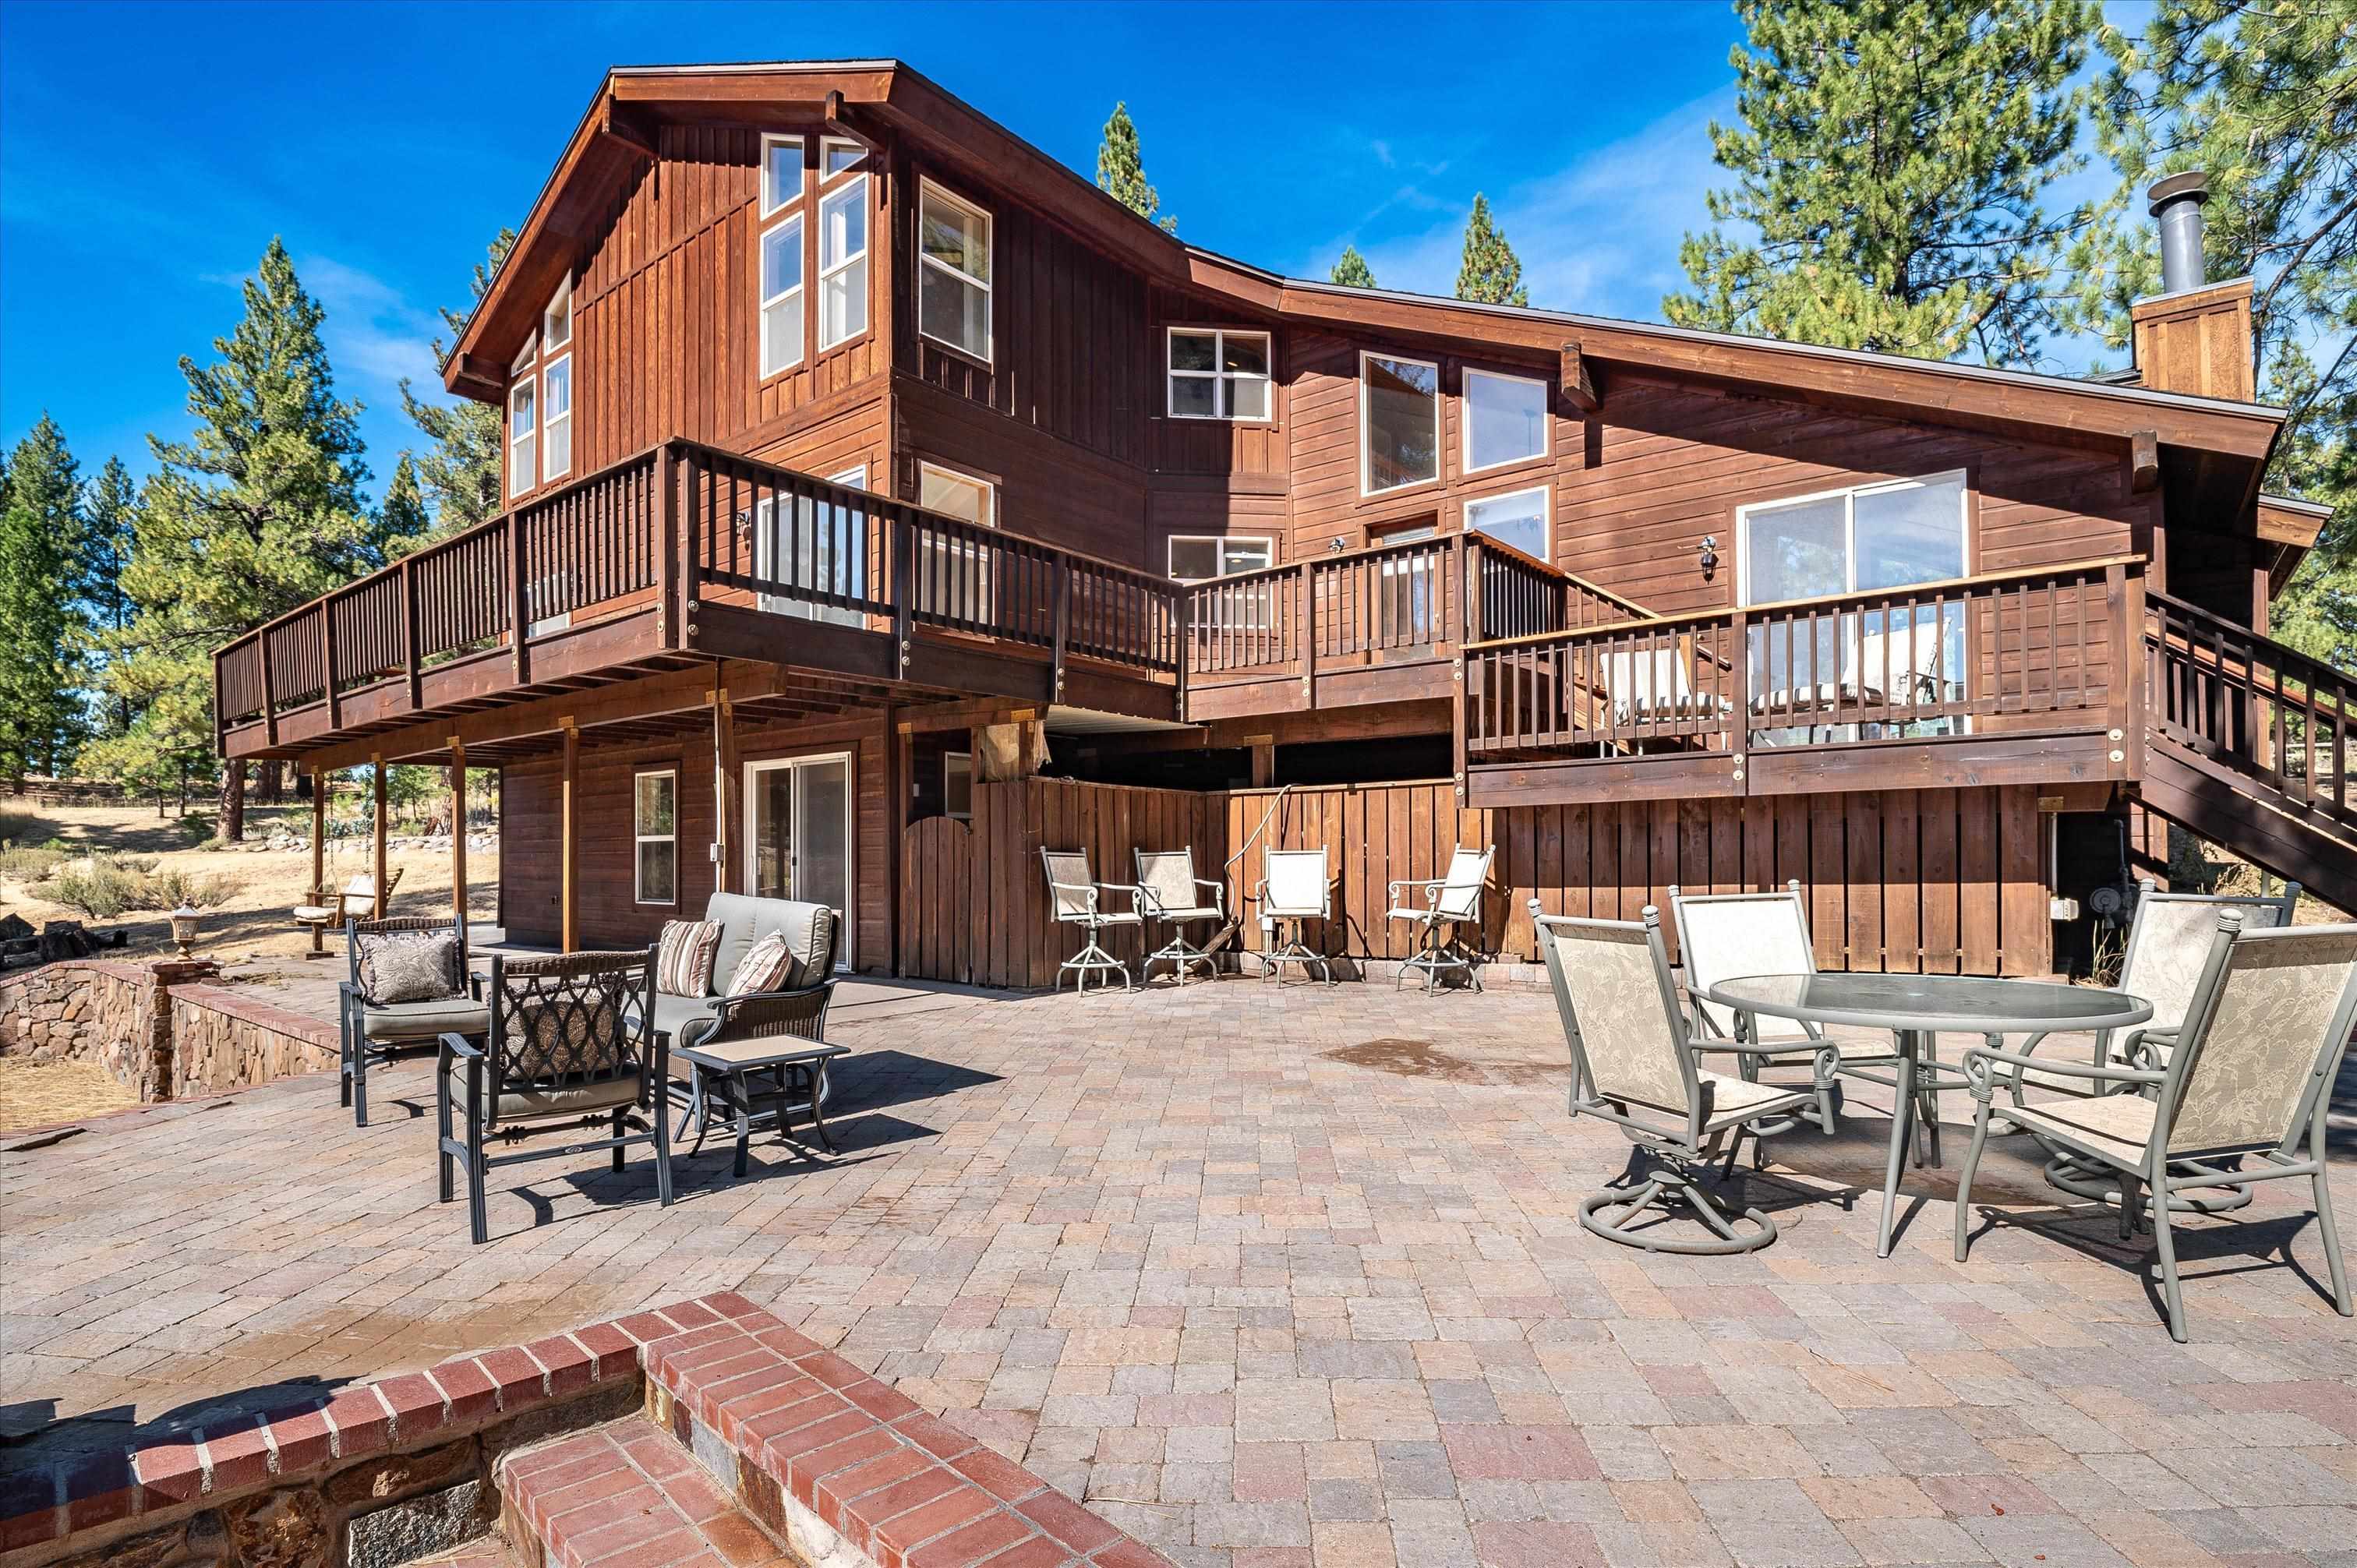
[1709, 555]
[184, 931]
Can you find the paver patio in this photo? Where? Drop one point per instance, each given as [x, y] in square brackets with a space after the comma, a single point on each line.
[1273, 1279]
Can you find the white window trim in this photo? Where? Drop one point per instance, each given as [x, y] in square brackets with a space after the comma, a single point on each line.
[1266, 541]
[1848, 495]
[1217, 377]
[564, 297]
[770, 209]
[847, 956]
[548, 421]
[765, 554]
[966, 757]
[856, 183]
[1546, 421]
[523, 467]
[1546, 515]
[763, 302]
[1366, 451]
[638, 889]
[989, 488]
[926, 187]
[827, 143]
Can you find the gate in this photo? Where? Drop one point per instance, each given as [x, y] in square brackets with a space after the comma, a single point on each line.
[936, 906]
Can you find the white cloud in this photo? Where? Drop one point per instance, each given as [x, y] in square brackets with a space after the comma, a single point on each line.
[373, 335]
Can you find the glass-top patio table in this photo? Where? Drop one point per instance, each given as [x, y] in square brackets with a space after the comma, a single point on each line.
[1917, 1009]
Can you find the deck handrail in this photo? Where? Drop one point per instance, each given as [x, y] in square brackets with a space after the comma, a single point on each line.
[2245, 702]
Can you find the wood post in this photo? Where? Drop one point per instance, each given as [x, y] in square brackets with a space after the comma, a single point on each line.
[668, 619]
[327, 662]
[897, 768]
[318, 855]
[518, 603]
[1264, 762]
[410, 640]
[376, 790]
[1308, 633]
[458, 828]
[725, 778]
[1064, 625]
[570, 849]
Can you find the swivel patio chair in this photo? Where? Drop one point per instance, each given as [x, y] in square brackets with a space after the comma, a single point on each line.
[572, 1044]
[1077, 897]
[1294, 888]
[357, 901]
[373, 1025]
[2250, 1075]
[2169, 942]
[1450, 904]
[1724, 936]
[1171, 894]
[1634, 1064]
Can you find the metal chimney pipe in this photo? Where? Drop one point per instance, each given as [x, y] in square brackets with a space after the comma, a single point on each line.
[2177, 203]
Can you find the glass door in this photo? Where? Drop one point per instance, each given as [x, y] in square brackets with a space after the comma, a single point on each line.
[798, 835]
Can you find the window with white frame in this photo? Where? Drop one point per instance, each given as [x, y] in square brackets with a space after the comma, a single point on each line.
[1519, 520]
[1197, 557]
[957, 784]
[1217, 374]
[522, 432]
[1399, 423]
[818, 545]
[842, 263]
[838, 154]
[781, 295]
[953, 272]
[781, 174]
[654, 827]
[1506, 419]
[953, 574]
[556, 418]
[556, 321]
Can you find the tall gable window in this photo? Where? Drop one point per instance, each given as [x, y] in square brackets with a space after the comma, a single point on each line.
[556, 418]
[782, 254]
[1399, 423]
[838, 154]
[540, 400]
[1506, 419]
[953, 272]
[522, 433]
[781, 174]
[842, 261]
[1218, 374]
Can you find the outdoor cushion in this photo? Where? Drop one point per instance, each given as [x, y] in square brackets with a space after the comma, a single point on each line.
[809, 930]
[1735, 1099]
[411, 966]
[764, 967]
[686, 1019]
[425, 1020]
[315, 911]
[574, 1100]
[2119, 1125]
[683, 958]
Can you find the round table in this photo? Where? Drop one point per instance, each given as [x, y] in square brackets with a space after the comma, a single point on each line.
[1917, 1009]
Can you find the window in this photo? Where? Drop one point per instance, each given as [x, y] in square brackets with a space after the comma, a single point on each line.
[1195, 558]
[1519, 520]
[952, 494]
[822, 545]
[953, 574]
[957, 784]
[654, 823]
[1405, 596]
[953, 272]
[843, 264]
[781, 172]
[838, 154]
[1218, 375]
[1399, 419]
[556, 321]
[521, 431]
[1505, 420]
[781, 296]
[556, 418]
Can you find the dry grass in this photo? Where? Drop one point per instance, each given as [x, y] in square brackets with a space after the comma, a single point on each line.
[35, 1094]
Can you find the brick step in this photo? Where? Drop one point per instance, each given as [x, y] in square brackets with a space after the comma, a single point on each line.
[626, 1493]
[483, 1551]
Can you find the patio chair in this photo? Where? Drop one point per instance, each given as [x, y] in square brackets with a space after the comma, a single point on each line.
[1634, 1064]
[1077, 897]
[563, 1051]
[1450, 903]
[1655, 686]
[2169, 943]
[2250, 1075]
[358, 901]
[1724, 936]
[1171, 894]
[371, 1030]
[1294, 887]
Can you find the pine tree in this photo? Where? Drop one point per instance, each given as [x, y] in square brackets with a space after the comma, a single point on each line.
[1889, 169]
[459, 473]
[110, 510]
[2262, 98]
[257, 513]
[1121, 170]
[1490, 273]
[41, 718]
[1352, 270]
[402, 519]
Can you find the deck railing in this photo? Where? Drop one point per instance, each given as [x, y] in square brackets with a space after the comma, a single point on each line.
[2251, 706]
[2019, 650]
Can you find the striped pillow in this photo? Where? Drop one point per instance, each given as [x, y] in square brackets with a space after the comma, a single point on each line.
[684, 960]
[764, 967]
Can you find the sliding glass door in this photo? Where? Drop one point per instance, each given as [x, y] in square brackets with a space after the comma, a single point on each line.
[798, 835]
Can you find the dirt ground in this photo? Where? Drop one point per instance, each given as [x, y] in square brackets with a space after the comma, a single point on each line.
[35, 1094]
[253, 923]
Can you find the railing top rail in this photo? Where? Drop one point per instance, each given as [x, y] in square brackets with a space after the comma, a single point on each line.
[1822, 602]
[1330, 558]
[1492, 545]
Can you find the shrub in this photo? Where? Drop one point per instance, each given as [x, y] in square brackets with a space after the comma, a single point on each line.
[32, 862]
[99, 887]
[171, 888]
[195, 827]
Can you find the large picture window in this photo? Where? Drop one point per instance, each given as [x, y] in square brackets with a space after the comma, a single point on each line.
[842, 263]
[1399, 423]
[1519, 520]
[953, 272]
[1196, 558]
[1505, 420]
[1218, 374]
[654, 827]
[781, 296]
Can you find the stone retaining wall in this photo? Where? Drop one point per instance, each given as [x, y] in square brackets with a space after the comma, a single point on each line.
[162, 1032]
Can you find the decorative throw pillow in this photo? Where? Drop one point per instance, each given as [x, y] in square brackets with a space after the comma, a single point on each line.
[683, 961]
[411, 966]
[764, 967]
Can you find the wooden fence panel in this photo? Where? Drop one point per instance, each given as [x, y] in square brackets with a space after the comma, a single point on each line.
[937, 926]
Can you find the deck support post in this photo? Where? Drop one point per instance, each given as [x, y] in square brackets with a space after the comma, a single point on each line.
[518, 601]
[1739, 698]
[458, 828]
[383, 905]
[1308, 633]
[318, 852]
[569, 854]
[1264, 762]
[897, 749]
[327, 661]
[725, 780]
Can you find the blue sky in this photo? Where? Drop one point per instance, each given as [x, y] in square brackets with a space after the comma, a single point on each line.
[147, 154]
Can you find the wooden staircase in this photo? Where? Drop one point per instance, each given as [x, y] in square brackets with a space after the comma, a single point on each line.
[2246, 743]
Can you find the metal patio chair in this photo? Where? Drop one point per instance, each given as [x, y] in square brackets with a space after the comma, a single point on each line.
[1171, 894]
[369, 1031]
[1724, 936]
[1452, 903]
[2250, 1075]
[1294, 887]
[1078, 899]
[571, 1043]
[1634, 1063]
